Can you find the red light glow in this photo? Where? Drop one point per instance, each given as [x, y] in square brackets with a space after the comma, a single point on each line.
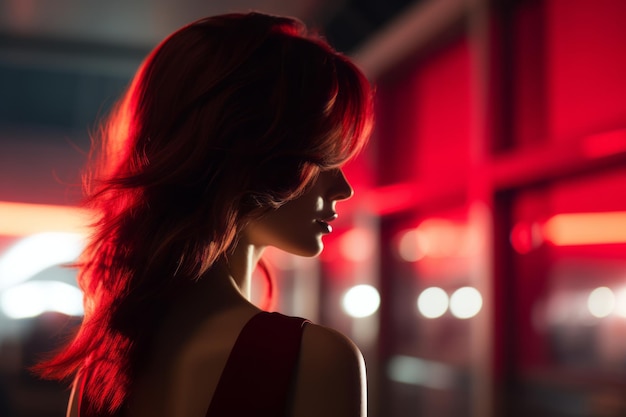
[600, 145]
[434, 238]
[525, 237]
[358, 244]
[573, 229]
[390, 198]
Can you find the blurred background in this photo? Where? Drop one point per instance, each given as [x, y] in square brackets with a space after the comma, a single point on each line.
[481, 265]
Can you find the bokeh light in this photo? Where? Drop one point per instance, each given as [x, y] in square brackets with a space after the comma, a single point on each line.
[445, 238]
[412, 245]
[434, 238]
[357, 244]
[601, 302]
[466, 302]
[36, 253]
[33, 298]
[620, 302]
[432, 302]
[361, 301]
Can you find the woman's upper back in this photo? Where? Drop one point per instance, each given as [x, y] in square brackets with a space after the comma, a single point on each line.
[186, 366]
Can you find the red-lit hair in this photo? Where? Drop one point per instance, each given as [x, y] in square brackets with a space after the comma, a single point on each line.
[229, 117]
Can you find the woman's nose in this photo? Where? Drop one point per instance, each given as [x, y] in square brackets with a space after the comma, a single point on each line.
[340, 188]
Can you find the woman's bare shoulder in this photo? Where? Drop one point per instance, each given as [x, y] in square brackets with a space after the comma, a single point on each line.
[323, 343]
[331, 375]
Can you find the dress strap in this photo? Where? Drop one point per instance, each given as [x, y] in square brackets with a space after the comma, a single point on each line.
[258, 376]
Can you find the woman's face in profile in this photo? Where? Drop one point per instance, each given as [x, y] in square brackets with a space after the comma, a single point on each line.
[297, 226]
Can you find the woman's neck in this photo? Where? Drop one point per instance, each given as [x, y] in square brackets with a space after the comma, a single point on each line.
[224, 287]
[240, 265]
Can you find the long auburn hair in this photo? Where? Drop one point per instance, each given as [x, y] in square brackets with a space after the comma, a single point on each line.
[229, 117]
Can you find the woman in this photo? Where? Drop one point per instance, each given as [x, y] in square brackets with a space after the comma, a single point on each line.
[230, 139]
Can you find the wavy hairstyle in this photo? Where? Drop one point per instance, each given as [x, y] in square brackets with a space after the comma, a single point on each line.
[229, 117]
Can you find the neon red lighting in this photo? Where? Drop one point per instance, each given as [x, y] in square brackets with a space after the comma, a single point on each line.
[525, 237]
[390, 198]
[606, 144]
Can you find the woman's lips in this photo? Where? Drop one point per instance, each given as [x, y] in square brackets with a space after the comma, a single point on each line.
[324, 222]
[327, 228]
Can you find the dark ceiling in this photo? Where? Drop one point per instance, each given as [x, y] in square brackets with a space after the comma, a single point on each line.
[357, 20]
[63, 63]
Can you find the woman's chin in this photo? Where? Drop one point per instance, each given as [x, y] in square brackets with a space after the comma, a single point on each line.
[307, 251]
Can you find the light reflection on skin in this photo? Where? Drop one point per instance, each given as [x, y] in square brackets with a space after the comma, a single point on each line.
[297, 226]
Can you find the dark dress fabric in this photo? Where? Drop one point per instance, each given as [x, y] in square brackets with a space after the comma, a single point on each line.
[258, 376]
